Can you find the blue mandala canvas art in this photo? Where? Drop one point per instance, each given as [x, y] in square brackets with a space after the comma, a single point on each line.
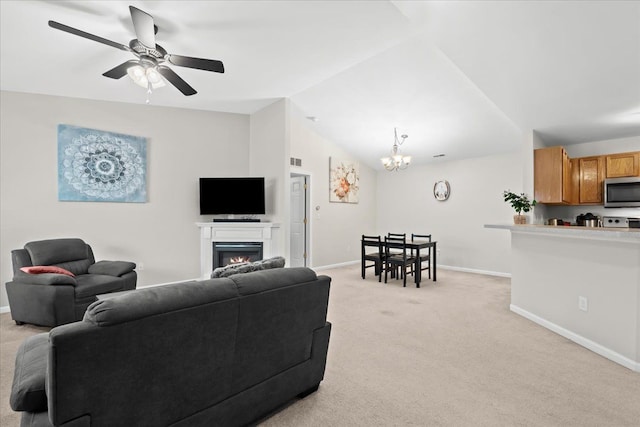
[100, 166]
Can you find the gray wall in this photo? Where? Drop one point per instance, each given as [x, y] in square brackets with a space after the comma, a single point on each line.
[336, 228]
[182, 145]
[268, 157]
[406, 205]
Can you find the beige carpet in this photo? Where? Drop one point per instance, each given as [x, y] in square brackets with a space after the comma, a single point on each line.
[450, 353]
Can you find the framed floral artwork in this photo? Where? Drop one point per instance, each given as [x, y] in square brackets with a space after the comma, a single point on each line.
[100, 166]
[344, 180]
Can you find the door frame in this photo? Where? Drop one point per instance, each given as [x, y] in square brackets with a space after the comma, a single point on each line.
[307, 212]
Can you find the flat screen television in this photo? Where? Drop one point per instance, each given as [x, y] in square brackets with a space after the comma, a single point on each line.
[238, 196]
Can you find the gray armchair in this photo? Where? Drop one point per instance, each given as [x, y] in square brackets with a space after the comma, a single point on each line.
[50, 299]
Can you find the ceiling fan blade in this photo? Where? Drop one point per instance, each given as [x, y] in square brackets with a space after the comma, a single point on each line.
[145, 29]
[120, 70]
[176, 80]
[198, 63]
[75, 31]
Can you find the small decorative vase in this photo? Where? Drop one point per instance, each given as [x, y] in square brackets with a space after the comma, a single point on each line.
[519, 219]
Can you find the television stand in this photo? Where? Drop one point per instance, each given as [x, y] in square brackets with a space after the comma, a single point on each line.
[236, 220]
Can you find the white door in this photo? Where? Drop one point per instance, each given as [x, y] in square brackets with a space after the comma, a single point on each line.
[298, 226]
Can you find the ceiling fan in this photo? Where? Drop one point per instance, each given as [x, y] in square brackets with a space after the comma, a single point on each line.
[148, 69]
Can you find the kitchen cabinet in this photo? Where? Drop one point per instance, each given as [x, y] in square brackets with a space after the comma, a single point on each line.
[592, 171]
[553, 176]
[623, 164]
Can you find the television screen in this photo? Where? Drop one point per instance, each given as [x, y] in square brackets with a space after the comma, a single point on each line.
[241, 196]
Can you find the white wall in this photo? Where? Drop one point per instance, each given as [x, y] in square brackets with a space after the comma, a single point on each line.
[182, 145]
[608, 146]
[406, 205]
[605, 272]
[269, 157]
[336, 228]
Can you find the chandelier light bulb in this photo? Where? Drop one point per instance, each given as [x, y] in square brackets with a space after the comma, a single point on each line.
[397, 161]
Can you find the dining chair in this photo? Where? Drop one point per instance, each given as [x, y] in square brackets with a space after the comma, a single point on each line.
[396, 257]
[424, 258]
[394, 272]
[397, 236]
[376, 257]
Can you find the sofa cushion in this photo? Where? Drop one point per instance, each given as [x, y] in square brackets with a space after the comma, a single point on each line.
[245, 267]
[56, 251]
[265, 280]
[28, 389]
[95, 284]
[275, 262]
[79, 266]
[112, 268]
[228, 270]
[39, 269]
[151, 301]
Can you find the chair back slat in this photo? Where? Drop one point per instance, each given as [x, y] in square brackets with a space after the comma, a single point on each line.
[420, 236]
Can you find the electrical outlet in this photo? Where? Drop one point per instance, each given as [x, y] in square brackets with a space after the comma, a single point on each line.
[139, 266]
[583, 303]
[438, 251]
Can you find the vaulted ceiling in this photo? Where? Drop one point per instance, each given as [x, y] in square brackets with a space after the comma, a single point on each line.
[461, 78]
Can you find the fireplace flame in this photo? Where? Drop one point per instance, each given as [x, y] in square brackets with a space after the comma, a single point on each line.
[239, 259]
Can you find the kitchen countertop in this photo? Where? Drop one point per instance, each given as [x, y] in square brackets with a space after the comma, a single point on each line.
[631, 235]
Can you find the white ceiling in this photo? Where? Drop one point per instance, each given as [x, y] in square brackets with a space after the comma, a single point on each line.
[461, 78]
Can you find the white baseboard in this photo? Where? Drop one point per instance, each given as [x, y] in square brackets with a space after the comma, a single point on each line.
[168, 283]
[579, 339]
[474, 270]
[439, 266]
[330, 266]
[5, 309]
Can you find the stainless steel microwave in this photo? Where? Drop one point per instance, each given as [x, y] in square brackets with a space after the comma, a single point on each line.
[622, 192]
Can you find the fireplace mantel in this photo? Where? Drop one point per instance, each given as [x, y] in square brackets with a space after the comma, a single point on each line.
[210, 232]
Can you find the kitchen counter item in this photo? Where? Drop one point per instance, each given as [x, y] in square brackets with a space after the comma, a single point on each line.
[588, 220]
[555, 221]
[615, 222]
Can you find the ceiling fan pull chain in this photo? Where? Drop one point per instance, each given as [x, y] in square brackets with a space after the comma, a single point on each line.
[149, 90]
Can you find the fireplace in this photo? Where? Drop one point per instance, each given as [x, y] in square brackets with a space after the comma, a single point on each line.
[225, 253]
[266, 233]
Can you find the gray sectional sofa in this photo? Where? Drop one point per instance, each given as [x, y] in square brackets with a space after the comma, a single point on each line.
[218, 352]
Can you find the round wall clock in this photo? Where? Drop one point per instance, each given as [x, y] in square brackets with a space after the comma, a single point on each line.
[441, 190]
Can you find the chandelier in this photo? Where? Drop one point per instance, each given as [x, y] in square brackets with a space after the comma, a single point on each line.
[397, 161]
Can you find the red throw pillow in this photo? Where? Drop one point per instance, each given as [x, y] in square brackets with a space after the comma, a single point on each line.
[39, 269]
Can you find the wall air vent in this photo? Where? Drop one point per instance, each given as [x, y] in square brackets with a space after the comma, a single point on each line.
[296, 162]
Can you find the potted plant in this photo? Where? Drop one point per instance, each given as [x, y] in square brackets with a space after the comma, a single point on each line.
[520, 203]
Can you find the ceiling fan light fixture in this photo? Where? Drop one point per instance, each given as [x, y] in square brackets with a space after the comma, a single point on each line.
[143, 76]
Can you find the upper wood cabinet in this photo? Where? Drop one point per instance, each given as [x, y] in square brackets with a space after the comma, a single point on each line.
[591, 179]
[559, 180]
[623, 164]
[552, 173]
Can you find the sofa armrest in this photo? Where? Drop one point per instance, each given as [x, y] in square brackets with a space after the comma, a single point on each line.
[112, 268]
[44, 279]
[28, 389]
